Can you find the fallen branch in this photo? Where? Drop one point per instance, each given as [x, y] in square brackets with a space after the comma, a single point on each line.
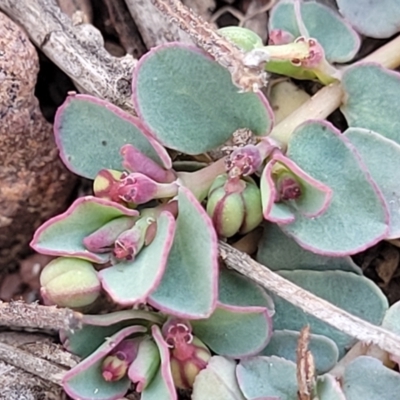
[76, 49]
[33, 316]
[308, 302]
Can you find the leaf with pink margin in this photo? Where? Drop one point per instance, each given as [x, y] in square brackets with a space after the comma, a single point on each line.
[274, 212]
[131, 282]
[353, 293]
[362, 84]
[162, 385]
[235, 331]
[338, 39]
[96, 328]
[189, 287]
[85, 382]
[281, 252]
[189, 103]
[63, 234]
[382, 157]
[357, 217]
[142, 370]
[267, 378]
[313, 201]
[217, 381]
[377, 19]
[90, 132]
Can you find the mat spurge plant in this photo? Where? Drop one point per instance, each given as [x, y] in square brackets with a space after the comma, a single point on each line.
[148, 237]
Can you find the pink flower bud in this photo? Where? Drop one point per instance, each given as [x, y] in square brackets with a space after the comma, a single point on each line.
[188, 355]
[288, 187]
[129, 243]
[278, 36]
[137, 188]
[102, 240]
[116, 364]
[244, 161]
[106, 183]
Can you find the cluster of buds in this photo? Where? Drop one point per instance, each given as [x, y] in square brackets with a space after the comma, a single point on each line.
[188, 355]
[69, 282]
[234, 205]
[131, 188]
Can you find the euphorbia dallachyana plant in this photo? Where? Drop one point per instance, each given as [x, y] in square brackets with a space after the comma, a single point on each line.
[148, 236]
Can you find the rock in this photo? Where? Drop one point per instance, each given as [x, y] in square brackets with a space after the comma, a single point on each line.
[34, 184]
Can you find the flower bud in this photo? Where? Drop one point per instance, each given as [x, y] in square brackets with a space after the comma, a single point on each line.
[244, 161]
[102, 240]
[234, 205]
[116, 364]
[69, 282]
[288, 186]
[135, 187]
[278, 36]
[129, 243]
[188, 355]
[106, 183]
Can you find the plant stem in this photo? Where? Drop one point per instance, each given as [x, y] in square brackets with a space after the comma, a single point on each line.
[329, 98]
[319, 106]
[199, 182]
[308, 302]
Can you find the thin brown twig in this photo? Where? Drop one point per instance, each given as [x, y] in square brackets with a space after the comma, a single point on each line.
[222, 50]
[308, 302]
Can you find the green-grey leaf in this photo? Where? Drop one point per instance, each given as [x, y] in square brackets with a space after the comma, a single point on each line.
[237, 290]
[279, 251]
[391, 321]
[90, 133]
[267, 377]
[350, 292]
[234, 331]
[217, 381]
[63, 235]
[357, 216]
[284, 344]
[328, 388]
[366, 105]
[367, 379]
[338, 39]
[190, 282]
[382, 158]
[189, 102]
[377, 19]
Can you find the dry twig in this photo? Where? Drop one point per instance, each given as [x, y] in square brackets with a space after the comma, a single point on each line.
[21, 315]
[308, 302]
